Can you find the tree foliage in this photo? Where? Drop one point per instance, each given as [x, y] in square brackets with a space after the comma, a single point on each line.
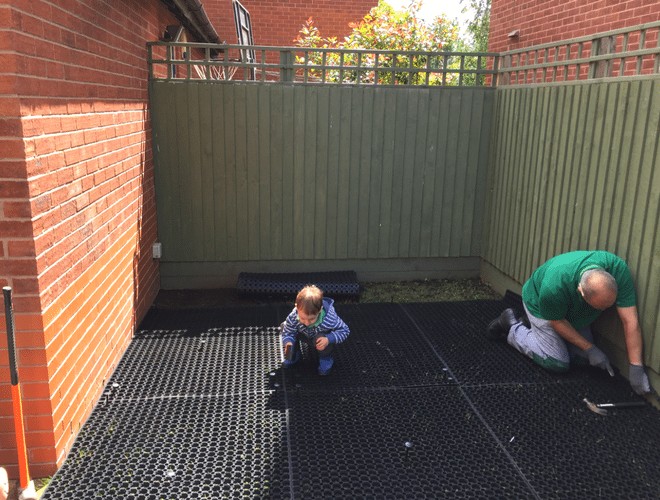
[385, 29]
[479, 25]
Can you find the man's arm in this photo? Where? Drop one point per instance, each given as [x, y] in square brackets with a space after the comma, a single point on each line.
[566, 331]
[632, 333]
[595, 356]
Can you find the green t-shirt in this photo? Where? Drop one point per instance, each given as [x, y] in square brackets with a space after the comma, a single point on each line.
[551, 292]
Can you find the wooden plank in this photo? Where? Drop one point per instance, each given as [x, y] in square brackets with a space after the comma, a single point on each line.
[309, 172]
[320, 159]
[567, 165]
[429, 173]
[386, 188]
[332, 222]
[264, 169]
[219, 164]
[418, 166]
[621, 144]
[376, 158]
[473, 174]
[398, 171]
[481, 210]
[249, 192]
[596, 174]
[437, 235]
[610, 171]
[299, 180]
[577, 155]
[544, 149]
[408, 162]
[163, 122]
[207, 192]
[356, 117]
[556, 170]
[363, 170]
[449, 197]
[288, 126]
[230, 127]
[184, 235]
[192, 172]
[463, 123]
[276, 134]
[343, 174]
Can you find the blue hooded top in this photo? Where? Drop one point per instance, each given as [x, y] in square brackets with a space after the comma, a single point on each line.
[332, 326]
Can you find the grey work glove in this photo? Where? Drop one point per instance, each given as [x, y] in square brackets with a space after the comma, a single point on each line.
[599, 359]
[639, 381]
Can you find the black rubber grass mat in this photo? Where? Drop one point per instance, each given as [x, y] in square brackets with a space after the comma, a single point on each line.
[179, 363]
[174, 448]
[567, 451]
[457, 330]
[413, 443]
[196, 321]
[199, 407]
[384, 349]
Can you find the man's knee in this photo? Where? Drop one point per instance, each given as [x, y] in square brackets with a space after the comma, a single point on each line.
[551, 364]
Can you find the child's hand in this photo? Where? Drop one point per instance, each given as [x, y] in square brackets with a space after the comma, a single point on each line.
[287, 349]
[321, 343]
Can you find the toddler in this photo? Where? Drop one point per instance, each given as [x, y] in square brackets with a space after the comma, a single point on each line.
[315, 322]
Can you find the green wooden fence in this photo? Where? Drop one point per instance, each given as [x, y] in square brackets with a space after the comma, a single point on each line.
[258, 176]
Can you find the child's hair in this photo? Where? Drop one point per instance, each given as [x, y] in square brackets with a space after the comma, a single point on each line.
[310, 299]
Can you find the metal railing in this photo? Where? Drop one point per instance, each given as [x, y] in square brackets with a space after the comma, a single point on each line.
[198, 61]
[633, 51]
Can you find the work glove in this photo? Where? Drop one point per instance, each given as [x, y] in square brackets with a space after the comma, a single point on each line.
[639, 381]
[599, 359]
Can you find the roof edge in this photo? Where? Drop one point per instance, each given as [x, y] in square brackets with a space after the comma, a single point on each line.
[193, 17]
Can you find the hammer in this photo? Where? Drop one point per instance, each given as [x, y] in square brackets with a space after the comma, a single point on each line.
[601, 408]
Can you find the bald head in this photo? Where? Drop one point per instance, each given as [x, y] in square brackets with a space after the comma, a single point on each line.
[599, 288]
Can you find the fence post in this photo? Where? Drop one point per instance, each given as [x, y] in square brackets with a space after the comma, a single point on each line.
[286, 66]
[602, 46]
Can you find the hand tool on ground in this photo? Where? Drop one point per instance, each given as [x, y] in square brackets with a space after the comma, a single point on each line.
[26, 484]
[601, 408]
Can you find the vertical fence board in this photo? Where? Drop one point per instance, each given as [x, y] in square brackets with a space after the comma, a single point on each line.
[220, 182]
[363, 174]
[288, 181]
[276, 183]
[331, 222]
[321, 167]
[231, 193]
[376, 161]
[385, 221]
[417, 163]
[346, 131]
[429, 174]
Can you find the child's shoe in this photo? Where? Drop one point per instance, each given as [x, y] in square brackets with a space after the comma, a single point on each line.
[325, 365]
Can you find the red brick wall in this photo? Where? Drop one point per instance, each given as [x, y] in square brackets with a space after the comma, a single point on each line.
[278, 23]
[543, 21]
[77, 207]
